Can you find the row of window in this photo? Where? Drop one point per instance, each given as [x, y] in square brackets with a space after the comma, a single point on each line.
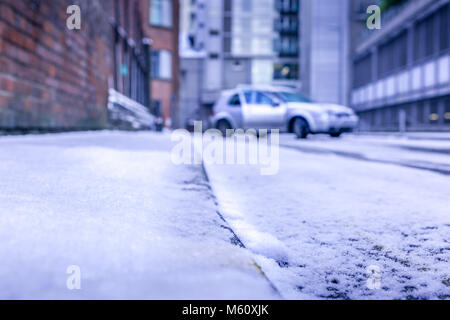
[393, 56]
[430, 36]
[287, 5]
[251, 97]
[432, 112]
[161, 15]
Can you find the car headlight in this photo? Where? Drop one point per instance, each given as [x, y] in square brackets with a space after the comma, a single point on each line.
[325, 116]
[331, 113]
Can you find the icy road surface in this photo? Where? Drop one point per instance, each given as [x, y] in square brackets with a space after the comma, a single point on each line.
[114, 205]
[340, 206]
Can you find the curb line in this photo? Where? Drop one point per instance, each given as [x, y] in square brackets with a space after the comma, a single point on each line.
[235, 236]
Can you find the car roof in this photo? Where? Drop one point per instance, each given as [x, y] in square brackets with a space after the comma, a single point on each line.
[270, 88]
[276, 88]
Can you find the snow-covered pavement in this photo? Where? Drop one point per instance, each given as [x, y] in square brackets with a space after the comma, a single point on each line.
[114, 205]
[339, 218]
[339, 211]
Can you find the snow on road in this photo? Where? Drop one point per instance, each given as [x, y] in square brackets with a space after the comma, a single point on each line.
[113, 204]
[318, 225]
[428, 154]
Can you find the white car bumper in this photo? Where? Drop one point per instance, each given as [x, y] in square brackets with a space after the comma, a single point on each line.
[343, 123]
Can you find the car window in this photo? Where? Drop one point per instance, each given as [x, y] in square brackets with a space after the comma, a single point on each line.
[262, 98]
[248, 96]
[293, 97]
[235, 100]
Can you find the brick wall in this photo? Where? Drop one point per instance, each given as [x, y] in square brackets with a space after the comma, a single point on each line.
[52, 77]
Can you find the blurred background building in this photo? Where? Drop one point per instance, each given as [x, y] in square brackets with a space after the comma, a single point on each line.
[299, 43]
[134, 59]
[53, 78]
[401, 73]
[225, 43]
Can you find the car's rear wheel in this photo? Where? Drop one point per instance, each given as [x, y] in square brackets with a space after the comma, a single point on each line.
[300, 128]
[336, 134]
[223, 126]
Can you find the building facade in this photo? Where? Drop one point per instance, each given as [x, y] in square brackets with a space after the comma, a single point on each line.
[401, 73]
[53, 78]
[161, 24]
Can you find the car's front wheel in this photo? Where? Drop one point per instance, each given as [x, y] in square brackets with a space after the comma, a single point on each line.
[223, 126]
[301, 128]
[336, 134]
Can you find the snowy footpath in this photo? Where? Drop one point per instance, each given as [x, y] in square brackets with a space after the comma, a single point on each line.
[352, 218]
[108, 212]
[106, 215]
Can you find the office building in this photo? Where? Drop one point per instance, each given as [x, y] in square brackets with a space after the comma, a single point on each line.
[401, 73]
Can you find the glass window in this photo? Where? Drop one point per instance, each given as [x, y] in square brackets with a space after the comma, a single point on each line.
[227, 5]
[248, 96]
[444, 34]
[425, 34]
[286, 71]
[161, 13]
[362, 71]
[447, 111]
[227, 24]
[434, 113]
[262, 98]
[235, 100]
[293, 97]
[419, 113]
[430, 35]
[419, 40]
[161, 64]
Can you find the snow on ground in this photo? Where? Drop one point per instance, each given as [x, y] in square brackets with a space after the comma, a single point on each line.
[433, 155]
[113, 204]
[318, 224]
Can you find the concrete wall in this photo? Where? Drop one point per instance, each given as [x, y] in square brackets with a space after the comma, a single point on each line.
[325, 51]
[191, 73]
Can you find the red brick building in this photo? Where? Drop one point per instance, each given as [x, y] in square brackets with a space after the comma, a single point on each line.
[53, 78]
[161, 23]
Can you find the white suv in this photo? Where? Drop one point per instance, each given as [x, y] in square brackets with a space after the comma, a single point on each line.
[280, 108]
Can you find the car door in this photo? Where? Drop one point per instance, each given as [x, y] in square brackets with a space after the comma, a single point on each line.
[234, 109]
[278, 112]
[262, 110]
